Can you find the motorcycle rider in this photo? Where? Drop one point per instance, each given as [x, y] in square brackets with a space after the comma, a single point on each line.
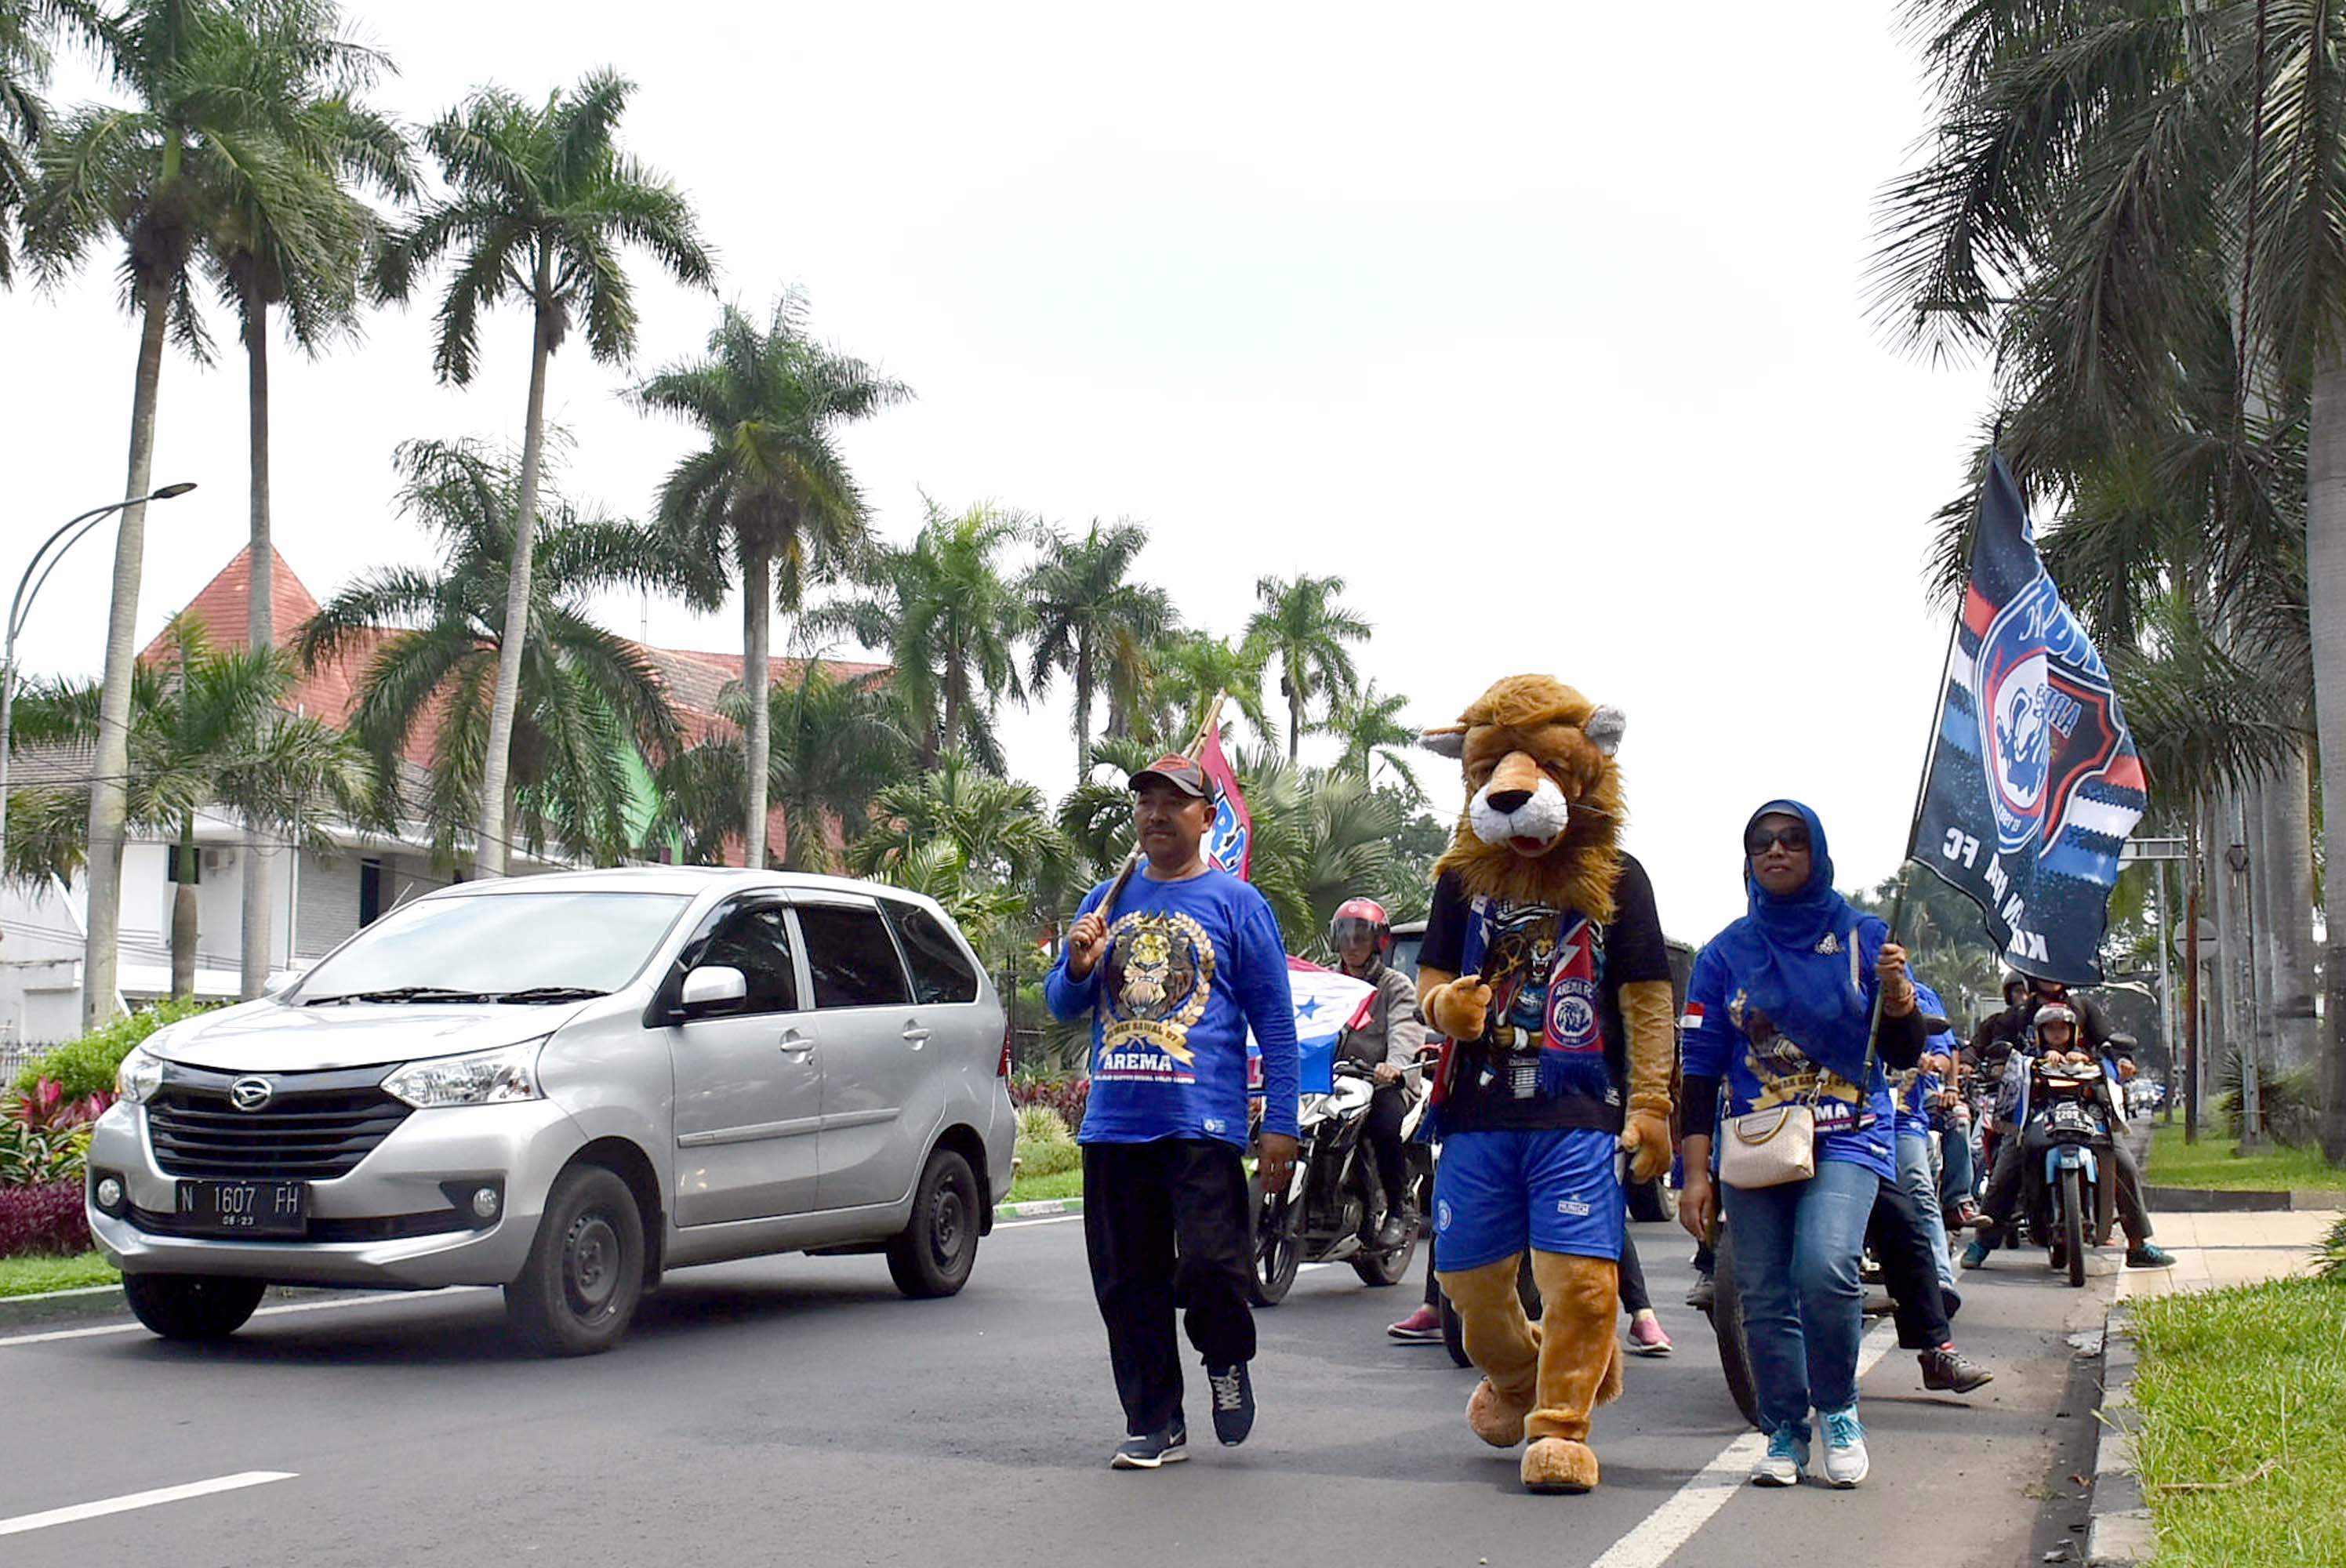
[2060, 1021]
[1386, 1041]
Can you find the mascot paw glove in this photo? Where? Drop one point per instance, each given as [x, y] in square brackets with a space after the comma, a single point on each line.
[1647, 1140]
[1459, 1009]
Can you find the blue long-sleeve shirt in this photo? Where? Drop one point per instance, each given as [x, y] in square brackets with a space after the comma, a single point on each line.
[1189, 966]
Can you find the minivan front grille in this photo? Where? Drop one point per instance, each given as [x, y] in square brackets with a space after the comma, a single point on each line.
[314, 1127]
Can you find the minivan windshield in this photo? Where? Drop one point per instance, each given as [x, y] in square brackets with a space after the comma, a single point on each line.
[522, 947]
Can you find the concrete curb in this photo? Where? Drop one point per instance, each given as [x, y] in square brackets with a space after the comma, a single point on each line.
[2118, 1532]
[2202, 1200]
[1041, 1208]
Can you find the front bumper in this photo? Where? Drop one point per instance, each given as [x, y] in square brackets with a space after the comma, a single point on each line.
[523, 1146]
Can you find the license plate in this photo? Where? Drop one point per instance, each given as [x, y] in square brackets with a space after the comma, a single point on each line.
[245, 1207]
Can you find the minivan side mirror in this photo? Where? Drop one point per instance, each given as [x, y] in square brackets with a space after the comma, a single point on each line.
[710, 990]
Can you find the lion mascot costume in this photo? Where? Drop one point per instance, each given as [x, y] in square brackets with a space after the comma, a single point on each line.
[1543, 966]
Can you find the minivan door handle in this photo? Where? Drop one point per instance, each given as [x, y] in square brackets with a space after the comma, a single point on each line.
[796, 1044]
[914, 1035]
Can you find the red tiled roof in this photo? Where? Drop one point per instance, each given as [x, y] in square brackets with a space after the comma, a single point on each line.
[694, 679]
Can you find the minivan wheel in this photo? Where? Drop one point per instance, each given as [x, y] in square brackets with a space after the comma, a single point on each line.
[933, 1254]
[577, 1292]
[192, 1305]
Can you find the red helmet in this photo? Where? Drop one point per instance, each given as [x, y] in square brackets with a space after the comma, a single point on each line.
[1360, 912]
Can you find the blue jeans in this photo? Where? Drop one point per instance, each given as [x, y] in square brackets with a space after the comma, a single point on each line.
[1955, 1184]
[1797, 1250]
[1914, 1174]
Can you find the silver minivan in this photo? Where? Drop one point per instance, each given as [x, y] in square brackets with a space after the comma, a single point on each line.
[565, 1086]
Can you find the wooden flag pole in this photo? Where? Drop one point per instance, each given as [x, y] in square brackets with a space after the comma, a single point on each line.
[1132, 860]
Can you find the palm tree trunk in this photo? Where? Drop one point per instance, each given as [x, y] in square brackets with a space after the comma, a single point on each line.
[488, 847]
[2325, 572]
[955, 674]
[1083, 711]
[256, 865]
[756, 616]
[2257, 900]
[102, 947]
[1294, 720]
[183, 912]
[2289, 911]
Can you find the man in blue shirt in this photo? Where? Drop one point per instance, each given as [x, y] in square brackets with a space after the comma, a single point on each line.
[1174, 965]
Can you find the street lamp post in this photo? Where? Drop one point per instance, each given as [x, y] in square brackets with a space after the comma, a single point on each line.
[28, 588]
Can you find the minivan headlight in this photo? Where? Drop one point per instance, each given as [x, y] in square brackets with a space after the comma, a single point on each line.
[139, 1077]
[482, 1078]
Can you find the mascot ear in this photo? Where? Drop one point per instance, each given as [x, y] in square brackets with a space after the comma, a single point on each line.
[1450, 741]
[1603, 728]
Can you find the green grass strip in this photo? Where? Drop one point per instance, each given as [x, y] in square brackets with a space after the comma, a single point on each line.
[31, 1275]
[1031, 1189]
[2215, 1164]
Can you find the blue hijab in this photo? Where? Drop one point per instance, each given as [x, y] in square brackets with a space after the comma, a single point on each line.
[1773, 955]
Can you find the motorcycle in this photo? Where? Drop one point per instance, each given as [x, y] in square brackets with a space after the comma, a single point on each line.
[2067, 1135]
[1333, 1205]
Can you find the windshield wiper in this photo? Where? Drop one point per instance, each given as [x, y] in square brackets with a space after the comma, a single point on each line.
[401, 993]
[550, 993]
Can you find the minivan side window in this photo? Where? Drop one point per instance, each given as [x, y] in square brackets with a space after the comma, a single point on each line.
[940, 972]
[851, 957]
[756, 939]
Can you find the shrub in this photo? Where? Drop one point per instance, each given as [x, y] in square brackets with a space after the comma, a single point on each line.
[44, 1135]
[2290, 1102]
[44, 1219]
[1043, 1159]
[1065, 1095]
[2330, 1252]
[86, 1066]
[1040, 1124]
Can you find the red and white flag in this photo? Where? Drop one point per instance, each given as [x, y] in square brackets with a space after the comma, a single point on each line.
[1229, 840]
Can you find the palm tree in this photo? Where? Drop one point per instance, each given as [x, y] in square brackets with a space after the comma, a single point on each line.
[1186, 672]
[1368, 724]
[2138, 205]
[26, 28]
[159, 176]
[836, 742]
[541, 201]
[1091, 621]
[1302, 626]
[1319, 837]
[951, 619]
[208, 730]
[590, 704]
[298, 239]
[771, 489]
[1096, 814]
[1000, 830]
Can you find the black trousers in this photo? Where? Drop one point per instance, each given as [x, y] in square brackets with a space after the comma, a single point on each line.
[1903, 1246]
[1166, 1224]
[2008, 1180]
[1635, 1298]
[1382, 1134]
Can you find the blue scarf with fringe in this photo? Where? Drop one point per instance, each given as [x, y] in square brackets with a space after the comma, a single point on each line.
[1789, 955]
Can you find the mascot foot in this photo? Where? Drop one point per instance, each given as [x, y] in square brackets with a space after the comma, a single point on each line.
[1497, 1419]
[1560, 1464]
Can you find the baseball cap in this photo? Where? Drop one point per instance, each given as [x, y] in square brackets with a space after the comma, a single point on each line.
[1179, 771]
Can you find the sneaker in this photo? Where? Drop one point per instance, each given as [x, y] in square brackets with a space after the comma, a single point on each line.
[1976, 1255]
[1786, 1457]
[1705, 1292]
[2149, 1257]
[1649, 1338]
[1146, 1451]
[1422, 1326]
[1390, 1231]
[2056, 1258]
[1845, 1460]
[1234, 1403]
[1948, 1370]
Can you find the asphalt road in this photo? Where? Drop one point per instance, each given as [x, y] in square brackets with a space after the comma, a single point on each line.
[798, 1411]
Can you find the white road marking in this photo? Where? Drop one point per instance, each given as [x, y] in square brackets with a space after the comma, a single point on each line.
[1023, 1223]
[1661, 1532]
[375, 1300]
[99, 1510]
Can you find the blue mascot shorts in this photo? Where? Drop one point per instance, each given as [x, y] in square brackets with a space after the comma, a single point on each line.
[1496, 1193]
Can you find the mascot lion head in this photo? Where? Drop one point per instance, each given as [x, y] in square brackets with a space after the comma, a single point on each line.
[1544, 813]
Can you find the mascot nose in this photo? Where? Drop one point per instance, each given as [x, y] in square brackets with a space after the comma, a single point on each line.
[1509, 801]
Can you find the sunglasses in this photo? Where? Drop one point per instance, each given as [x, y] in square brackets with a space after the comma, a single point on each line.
[1757, 840]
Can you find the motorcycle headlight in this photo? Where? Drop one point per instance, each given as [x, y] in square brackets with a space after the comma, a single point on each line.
[481, 1078]
[140, 1075]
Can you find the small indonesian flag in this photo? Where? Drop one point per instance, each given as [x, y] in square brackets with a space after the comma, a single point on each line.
[1691, 1019]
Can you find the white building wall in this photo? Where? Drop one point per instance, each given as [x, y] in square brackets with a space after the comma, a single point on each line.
[329, 905]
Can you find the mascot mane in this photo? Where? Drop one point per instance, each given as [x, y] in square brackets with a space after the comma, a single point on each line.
[1559, 729]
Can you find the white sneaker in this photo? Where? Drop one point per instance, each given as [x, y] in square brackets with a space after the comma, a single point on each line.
[1786, 1457]
[1845, 1460]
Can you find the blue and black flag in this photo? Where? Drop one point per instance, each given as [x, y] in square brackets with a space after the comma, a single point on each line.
[2033, 782]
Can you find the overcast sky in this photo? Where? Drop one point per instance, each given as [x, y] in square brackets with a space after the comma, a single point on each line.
[1542, 325]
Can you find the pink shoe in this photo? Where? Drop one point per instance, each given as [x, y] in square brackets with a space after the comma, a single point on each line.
[1422, 1326]
[1649, 1338]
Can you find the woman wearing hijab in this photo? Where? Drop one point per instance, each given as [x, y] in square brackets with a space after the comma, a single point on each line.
[1780, 1010]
